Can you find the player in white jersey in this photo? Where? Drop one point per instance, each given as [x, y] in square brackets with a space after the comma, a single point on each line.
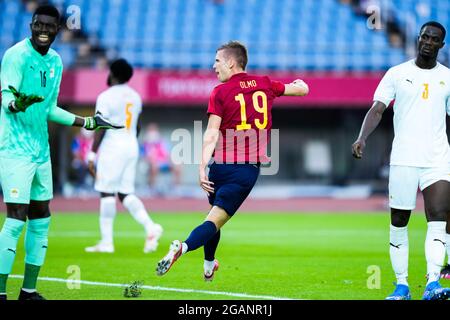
[420, 156]
[117, 159]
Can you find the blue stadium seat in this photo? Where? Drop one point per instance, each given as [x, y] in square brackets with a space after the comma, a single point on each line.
[281, 34]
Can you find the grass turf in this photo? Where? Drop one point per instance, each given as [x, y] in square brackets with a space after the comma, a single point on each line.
[299, 256]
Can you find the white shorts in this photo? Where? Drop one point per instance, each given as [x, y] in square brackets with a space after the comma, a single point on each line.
[116, 173]
[404, 181]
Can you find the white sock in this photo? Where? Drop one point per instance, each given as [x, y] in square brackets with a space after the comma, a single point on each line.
[107, 215]
[184, 248]
[435, 249]
[137, 210]
[29, 290]
[399, 252]
[447, 245]
[208, 265]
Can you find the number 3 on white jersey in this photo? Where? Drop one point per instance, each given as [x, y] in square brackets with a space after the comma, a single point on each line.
[129, 115]
[425, 91]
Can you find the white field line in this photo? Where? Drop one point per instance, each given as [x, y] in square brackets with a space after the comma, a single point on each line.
[158, 288]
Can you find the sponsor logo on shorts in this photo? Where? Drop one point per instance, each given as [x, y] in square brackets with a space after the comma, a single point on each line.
[14, 193]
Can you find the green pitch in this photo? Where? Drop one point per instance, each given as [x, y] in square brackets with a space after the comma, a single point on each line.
[304, 256]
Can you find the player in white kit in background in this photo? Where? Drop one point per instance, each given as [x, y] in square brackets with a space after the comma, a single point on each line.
[420, 156]
[117, 159]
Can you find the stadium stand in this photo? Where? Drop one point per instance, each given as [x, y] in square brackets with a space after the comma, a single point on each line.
[15, 19]
[174, 34]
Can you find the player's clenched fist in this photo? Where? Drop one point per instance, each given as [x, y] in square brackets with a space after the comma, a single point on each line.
[300, 83]
[358, 148]
[207, 186]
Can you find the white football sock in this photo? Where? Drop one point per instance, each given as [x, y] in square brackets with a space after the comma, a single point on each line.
[435, 249]
[136, 208]
[184, 247]
[447, 245]
[208, 265]
[399, 251]
[107, 215]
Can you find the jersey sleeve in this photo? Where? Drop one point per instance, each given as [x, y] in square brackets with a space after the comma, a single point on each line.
[57, 114]
[277, 88]
[385, 91]
[139, 105]
[215, 105]
[11, 75]
[54, 99]
[102, 106]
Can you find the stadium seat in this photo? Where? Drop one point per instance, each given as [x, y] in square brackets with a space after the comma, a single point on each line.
[282, 34]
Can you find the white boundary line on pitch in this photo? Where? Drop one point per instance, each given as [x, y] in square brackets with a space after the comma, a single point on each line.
[158, 288]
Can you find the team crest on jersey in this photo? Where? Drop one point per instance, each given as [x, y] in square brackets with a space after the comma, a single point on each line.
[442, 83]
[14, 193]
[52, 72]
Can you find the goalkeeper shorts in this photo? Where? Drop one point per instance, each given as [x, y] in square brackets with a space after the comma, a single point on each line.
[23, 180]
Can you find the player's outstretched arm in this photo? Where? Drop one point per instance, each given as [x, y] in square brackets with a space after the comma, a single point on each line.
[371, 121]
[296, 88]
[66, 118]
[98, 121]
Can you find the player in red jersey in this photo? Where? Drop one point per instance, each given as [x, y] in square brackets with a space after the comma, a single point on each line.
[240, 120]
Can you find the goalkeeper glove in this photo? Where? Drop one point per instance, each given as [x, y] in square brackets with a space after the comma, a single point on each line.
[99, 122]
[22, 101]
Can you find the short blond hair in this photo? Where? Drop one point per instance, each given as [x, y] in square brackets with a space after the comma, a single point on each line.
[238, 51]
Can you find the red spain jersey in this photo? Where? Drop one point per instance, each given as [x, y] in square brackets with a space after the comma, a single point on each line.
[244, 103]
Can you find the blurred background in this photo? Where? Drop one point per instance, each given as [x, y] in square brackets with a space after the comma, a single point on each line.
[340, 48]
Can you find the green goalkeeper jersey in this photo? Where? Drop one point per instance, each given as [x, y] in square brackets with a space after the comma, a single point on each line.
[25, 134]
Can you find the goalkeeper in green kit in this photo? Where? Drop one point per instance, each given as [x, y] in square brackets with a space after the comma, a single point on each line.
[30, 79]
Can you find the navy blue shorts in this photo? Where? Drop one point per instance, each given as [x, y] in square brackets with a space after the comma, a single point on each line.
[232, 184]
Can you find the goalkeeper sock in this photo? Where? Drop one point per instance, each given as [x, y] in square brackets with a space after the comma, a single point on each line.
[36, 243]
[200, 235]
[137, 210]
[399, 251]
[3, 280]
[435, 249]
[107, 216]
[9, 236]
[211, 246]
[30, 277]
